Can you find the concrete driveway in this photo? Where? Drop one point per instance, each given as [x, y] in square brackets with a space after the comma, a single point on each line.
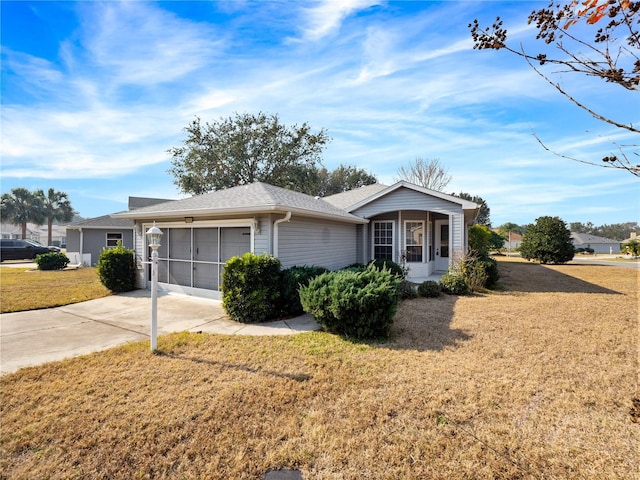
[39, 336]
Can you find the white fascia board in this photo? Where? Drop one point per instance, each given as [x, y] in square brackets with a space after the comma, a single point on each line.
[466, 204]
[138, 215]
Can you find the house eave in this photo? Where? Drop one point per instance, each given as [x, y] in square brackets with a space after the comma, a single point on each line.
[220, 212]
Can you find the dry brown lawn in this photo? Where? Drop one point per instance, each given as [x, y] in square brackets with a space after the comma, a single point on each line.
[535, 381]
[24, 289]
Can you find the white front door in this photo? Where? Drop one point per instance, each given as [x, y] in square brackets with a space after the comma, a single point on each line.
[442, 245]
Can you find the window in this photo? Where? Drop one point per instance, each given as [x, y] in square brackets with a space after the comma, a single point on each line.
[413, 238]
[113, 239]
[383, 240]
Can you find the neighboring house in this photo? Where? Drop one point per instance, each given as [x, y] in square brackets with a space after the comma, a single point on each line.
[513, 241]
[39, 233]
[87, 238]
[403, 222]
[598, 244]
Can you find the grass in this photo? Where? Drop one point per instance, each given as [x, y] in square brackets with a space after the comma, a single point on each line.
[24, 289]
[534, 381]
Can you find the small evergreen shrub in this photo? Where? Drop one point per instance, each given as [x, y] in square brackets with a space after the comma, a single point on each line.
[251, 287]
[291, 280]
[407, 290]
[490, 267]
[453, 284]
[396, 269]
[355, 304]
[429, 289]
[51, 261]
[117, 269]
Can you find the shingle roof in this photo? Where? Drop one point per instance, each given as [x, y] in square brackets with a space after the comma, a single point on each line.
[104, 221]
[586, 238]
[351, 197]
[254, 197]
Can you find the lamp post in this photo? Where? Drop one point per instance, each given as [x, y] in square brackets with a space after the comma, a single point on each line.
[154, 234]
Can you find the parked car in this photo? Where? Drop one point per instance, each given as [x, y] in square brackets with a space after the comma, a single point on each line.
[11, 249]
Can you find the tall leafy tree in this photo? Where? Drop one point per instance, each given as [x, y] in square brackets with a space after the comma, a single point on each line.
[243, 149]
[484, 216]
[342, 179]
[605, 45]
[57, 207]
[429, 174]
[548, 240]
[22, 206]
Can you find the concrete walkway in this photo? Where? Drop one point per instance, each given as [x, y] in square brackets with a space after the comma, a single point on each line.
[39, 336]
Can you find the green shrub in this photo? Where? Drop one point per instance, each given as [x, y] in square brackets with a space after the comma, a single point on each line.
[251, 287]
[490, 267]
[453, 284]
[291, 280]
[547, 241]
[396, 269]
[429, 289]
[355, 304]
[407, 290]
[117, 269]
[51, 261]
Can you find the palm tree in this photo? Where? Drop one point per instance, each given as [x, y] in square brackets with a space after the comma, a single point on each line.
[57, 207]
[22, 206]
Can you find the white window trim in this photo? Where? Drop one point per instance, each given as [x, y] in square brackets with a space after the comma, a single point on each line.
[106, 239]
[424, 236]
[393, 238]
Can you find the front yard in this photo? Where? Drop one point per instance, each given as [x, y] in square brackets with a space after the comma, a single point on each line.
[534, 381]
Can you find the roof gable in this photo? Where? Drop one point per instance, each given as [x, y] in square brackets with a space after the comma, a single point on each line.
[355, 199]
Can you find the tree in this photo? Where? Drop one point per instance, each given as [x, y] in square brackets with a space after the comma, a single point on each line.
[57, 207]
[341, 179]
[244, 149]
[547, 241]
[426, 173]
[609, 58]
[505, 228]
[615, 231]
[479, 240]
[484, 216]
[632, 247]
[496, 242]
[21, 207]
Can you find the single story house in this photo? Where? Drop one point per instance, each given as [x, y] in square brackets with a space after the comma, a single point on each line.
[406, 223]
[598, 244]
[513, 242]
[87, 238]
[39, 233]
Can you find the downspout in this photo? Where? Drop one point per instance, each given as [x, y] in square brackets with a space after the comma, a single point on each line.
[81, 247]
[286, 218]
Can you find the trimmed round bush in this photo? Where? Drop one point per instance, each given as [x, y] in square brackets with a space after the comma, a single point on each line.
[290, 282]
[453, 284]
[117, 269]
[354, 304]
[407, 290]
[51, 261]
[251, 288]
[429, 289]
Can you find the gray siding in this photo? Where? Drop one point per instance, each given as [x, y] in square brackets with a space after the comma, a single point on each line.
[406, 199]
[262, 240]
[316, 242]
[73, 240]
[94, 240]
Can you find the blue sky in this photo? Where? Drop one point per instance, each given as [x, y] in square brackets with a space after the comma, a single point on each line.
[95, 93]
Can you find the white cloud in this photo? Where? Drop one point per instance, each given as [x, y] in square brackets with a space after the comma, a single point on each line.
[326, 16]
